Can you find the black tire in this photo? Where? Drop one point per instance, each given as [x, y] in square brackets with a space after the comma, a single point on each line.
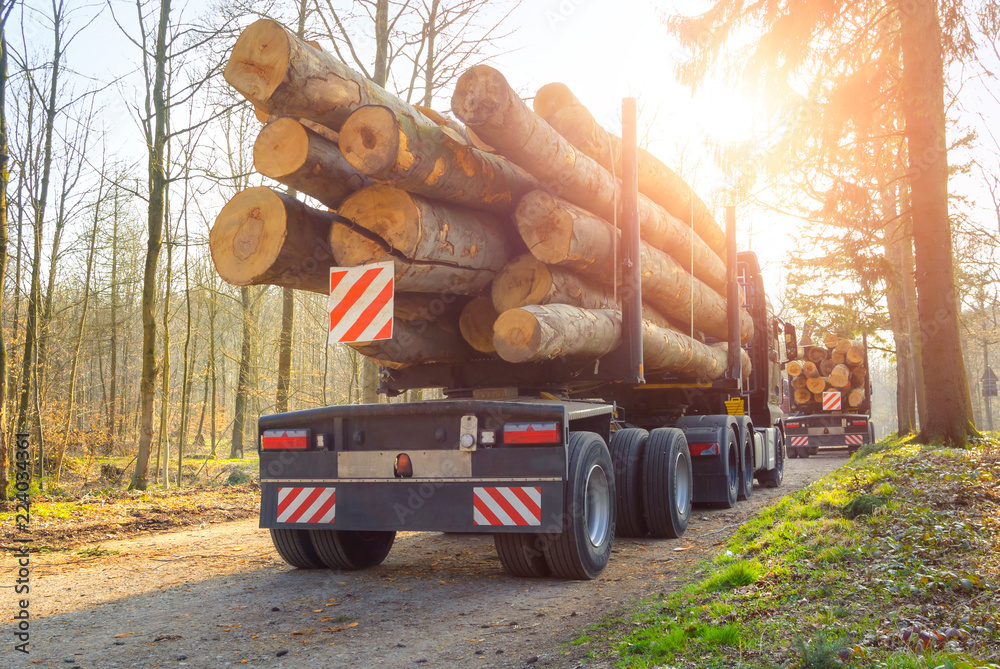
[523, 554]
[730, 471]
[627, 447]
[793, 451]
[582, 550]
[746, 469]
[296, 548]
[667, 483]
[352, 549]
[813, 450]
[804, 452]
[773, 477]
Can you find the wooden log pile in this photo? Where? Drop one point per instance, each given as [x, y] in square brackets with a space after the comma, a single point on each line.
[507, 221]
[837, 365]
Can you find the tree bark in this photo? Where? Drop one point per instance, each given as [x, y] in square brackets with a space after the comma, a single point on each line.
[543, 332]
[290, 153]
[526, 280]
[285, 350]
[4, 181]
[487, 103]
[656, 181]
[265, 237]
[243, 377]
[669, 351]
[947, 418]
[283, 75]
[476, 324]
[427, 160]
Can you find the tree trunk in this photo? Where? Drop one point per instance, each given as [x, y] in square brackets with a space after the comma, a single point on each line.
[430, 161]
[544, 332]
[285, 350]
[895, 301]
[485, 101]
[157, 187]
[526, 280]
[4, 181]
[947, 418]
[113, 335]
[476, 324]
[913, 322]
[243, 378]
[290, 153]
[656, 181]
[282, 75]
[265, 237]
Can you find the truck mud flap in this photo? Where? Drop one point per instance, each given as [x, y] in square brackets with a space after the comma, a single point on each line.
[708, 468]
[485, 506]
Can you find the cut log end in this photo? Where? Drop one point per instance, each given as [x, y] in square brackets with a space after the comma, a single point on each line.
[525, 280]
[517, 335]
[550, 98]
[476, 324]
[369, 139]
[546, 227]
[388, 212]
[248, 235]
[259, 61]
[803, 396]
[478, 94]
[282, 147]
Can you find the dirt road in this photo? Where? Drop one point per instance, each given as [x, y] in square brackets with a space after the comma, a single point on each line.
[219, 596]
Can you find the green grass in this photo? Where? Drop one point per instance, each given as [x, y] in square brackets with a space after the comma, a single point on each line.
[831, 575]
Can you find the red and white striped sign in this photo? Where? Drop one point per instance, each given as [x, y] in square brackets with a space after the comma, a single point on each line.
[307, 505]
[798, 441]
[507, 506]
[854, 439]
[361, 303]
[831, 400]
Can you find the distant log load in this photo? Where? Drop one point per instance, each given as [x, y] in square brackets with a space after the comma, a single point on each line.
[289, 152]
[830, 340]
[840, 377]
[423, 159]
[526, 280]
[283, 75]
[265, 237]
[487, 103]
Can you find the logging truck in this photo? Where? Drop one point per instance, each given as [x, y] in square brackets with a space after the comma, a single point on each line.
[830, 396]
[606, 357]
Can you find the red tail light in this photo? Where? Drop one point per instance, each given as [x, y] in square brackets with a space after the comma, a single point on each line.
[284, 440]
[791, 424]
[704, 449]
[531, 433]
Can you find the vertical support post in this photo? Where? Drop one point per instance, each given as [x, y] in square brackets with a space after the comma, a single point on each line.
[631, 280]
[733, 300]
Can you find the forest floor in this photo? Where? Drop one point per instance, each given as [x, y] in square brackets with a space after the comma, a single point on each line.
[215, 594]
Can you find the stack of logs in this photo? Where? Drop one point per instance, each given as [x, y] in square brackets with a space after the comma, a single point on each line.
[502, 231]
[838, 365]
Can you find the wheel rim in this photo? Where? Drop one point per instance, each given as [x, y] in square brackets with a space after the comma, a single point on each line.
[780, 465]
[597, 513]
[734, 467]
[682, 485]
[748, 465]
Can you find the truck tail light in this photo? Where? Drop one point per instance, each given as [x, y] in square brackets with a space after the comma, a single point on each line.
[531, 433]
[284, 440]
[791, 424]
[704, 449]
[859, 423]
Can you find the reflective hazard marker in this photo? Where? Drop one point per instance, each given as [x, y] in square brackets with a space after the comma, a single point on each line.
[831, 400]
[361, 303]
[307, 505]
[507, 507]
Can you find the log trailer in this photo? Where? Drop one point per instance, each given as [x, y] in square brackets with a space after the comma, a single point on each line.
[830, 424]
[551, 458]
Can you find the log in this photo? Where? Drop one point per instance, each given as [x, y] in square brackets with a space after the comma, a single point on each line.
[550, 98]
[455, 129]
[476, 324]
[421, 334]
[856, 354]
[856, 397]
[656, 181]
[843, 346]
[265, 237]
[810, 369]
[837, 357]
[803, 396]
[476, 141]
[425, 160]
[669, 351]
[283, 75]
[423, 230]
[840, 377]
[816, 384]
[485, 102]
[816, 354]
[560, 233]
[818, 397]
[858, 376]
[826, 367]
[300, 158]
[794, 368]
[830, 340]
[799, 383]
[543, 332]
[526, 280]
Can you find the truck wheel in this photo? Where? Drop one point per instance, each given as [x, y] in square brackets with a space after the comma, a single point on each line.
[730, 471]
[352, 549]
[627, 448]
[746, 470]
[813, 450]
[581, 551]
[772, 478]
[295, 548]
[522, 554]
[804, 452]
[667, 483]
